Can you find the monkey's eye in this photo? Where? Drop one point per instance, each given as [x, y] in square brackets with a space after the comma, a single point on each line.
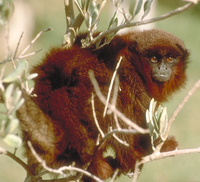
[154, 59]
[169, 59]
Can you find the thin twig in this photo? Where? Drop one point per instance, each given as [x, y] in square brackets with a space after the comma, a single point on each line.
[158, 155]
[175, 113]
[73, 24]
[122, 11]
[8, 59]
[114, 101]
[61, 169]
[115, 92]
[69, 12]
[124, 131]
[19, 161]
[111, 85]
[7, 37]
[117, 112]
[1, 78]
[99, 13]
[79, 8]
[18, 45]
[30, 54]
[95, 118]
[33, 41]
[118, 139]
[136, 171]
[114, 175]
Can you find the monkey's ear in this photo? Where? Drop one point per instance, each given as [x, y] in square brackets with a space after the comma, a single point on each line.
[133, 46]
[72, 80]
[185, 52]
[58, 80]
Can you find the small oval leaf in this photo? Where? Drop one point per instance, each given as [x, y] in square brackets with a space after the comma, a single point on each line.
[8, 98]
[139, 6]
[95, 13]
[114, 21]
[22, 65]
[132, 7]
[151, 128]
[18, 105]
[31, 76]
[147, 117]
[13, 140]
[13, 124]
[147, 7]
[163, 122]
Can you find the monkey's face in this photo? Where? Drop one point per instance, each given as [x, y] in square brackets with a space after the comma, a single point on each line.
[162, 67]
[160, 59]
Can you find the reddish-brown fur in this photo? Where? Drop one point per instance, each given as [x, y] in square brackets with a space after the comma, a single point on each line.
[60, 123]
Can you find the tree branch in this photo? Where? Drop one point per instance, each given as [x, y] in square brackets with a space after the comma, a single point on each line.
[19, 161]
[158, 155]
[175, 113]
[69, 12]
[138, 23]
[61, 169]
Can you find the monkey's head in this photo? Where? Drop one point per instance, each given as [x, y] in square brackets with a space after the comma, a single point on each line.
[162, 62]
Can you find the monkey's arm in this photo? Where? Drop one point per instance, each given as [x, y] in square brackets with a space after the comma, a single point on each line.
[28, 113]
[38, 128]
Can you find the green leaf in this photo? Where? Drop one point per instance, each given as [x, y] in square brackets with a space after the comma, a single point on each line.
[13, 140]
[147, 117]
[163, 122]
[12, 98]
[92, 7]
[114, 21]
[132, 7]
[117, 2]
[14, 122]
[8, 125]
[139, 6]
[6, 10]
[31, 76]
[152, 108]
[22, 65]
[8, 96]
[155, 122]
[155, 136]
[88, 19]
[80, 2]
[147, 7]
[147, 4]
[95, 13]
[18, 105]
[2, 3]
[110, 36]
[85, 4]
[151, 128]
[16, 95]
[158, 113]
[3, 125]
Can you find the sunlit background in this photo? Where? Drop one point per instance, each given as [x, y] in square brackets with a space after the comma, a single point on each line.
[32, 16]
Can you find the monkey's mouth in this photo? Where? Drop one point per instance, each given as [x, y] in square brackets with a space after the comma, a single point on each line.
[161, 77]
